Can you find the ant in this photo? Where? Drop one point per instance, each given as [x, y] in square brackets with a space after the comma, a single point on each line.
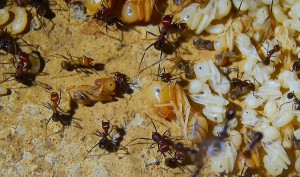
[105, 16]
[271, 52]
[296, 64]
[229, 116]
[166, 77]
[161, 42]
[81, 64]
[181, 157]
[240, 87]
[122, 83]
[42, 9]
[257, 137]
[185, 66]
[296, 105]
[107, 142]
[203, 44]
[163, 142]
[58, 115]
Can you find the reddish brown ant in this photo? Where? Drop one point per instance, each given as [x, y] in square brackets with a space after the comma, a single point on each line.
[169, 25]
[203, 44]
[166, 77]
[296, 104]
[58, 115]
[271, 52]
[80, 64]
[104, 16]
[108, 143]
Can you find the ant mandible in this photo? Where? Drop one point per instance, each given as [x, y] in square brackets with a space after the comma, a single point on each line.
[104, 15]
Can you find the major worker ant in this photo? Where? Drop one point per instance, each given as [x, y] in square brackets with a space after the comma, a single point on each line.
[108, 143]
[104, 16]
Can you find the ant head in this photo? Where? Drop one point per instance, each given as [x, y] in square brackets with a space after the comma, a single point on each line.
[23, 56]
[105, 125]
[65, 65]
[182, 26]
[258, 136]
[290, 95]
[54, 97]
[156, 136]
[251, 86]
[167, 20]
[277, 47]
[230, 114]
[166, 77]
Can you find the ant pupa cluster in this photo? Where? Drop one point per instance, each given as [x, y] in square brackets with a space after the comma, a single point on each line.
[233, 94]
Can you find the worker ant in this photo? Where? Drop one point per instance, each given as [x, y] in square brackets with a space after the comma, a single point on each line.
[296, 104]
[182, 157]
[58, 115]
[80, 64]
[122, 84]
[166, 77]
[202, 44]
[183, 65]
[104, 16]
[107, 142]
[271, 52]
[161, 42]
[163, 141]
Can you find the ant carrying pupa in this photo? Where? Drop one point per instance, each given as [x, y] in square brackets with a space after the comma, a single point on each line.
[59, 115]
[110, 143]
[42, 8]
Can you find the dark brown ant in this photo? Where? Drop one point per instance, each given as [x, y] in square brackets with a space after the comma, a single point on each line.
[296, 64]
[104, 16]
[122, 84]
[296, 104]
[185, 66]
[229, 116]
[161, 42]
[166, 77]
[181, 157]
[107, 142]
[257, 137]
[80, 64]
[225, 58]
[204, 44]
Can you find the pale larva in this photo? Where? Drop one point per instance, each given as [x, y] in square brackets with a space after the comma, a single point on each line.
[197, 86]
[249, 118]
[246, 47]
[20, 22]
[225, 40]
[4, 16]
[270, 109]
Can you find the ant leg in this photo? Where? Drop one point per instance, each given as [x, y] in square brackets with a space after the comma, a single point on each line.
[93, 147]
[144, 56]
[240, 6]
[160, 61]
[152, 145]
[151, 34]
[285, 103]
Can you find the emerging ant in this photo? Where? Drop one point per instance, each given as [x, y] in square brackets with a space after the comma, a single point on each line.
[108, 143]
[161, 42]
[104, 16]
[203, 44]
